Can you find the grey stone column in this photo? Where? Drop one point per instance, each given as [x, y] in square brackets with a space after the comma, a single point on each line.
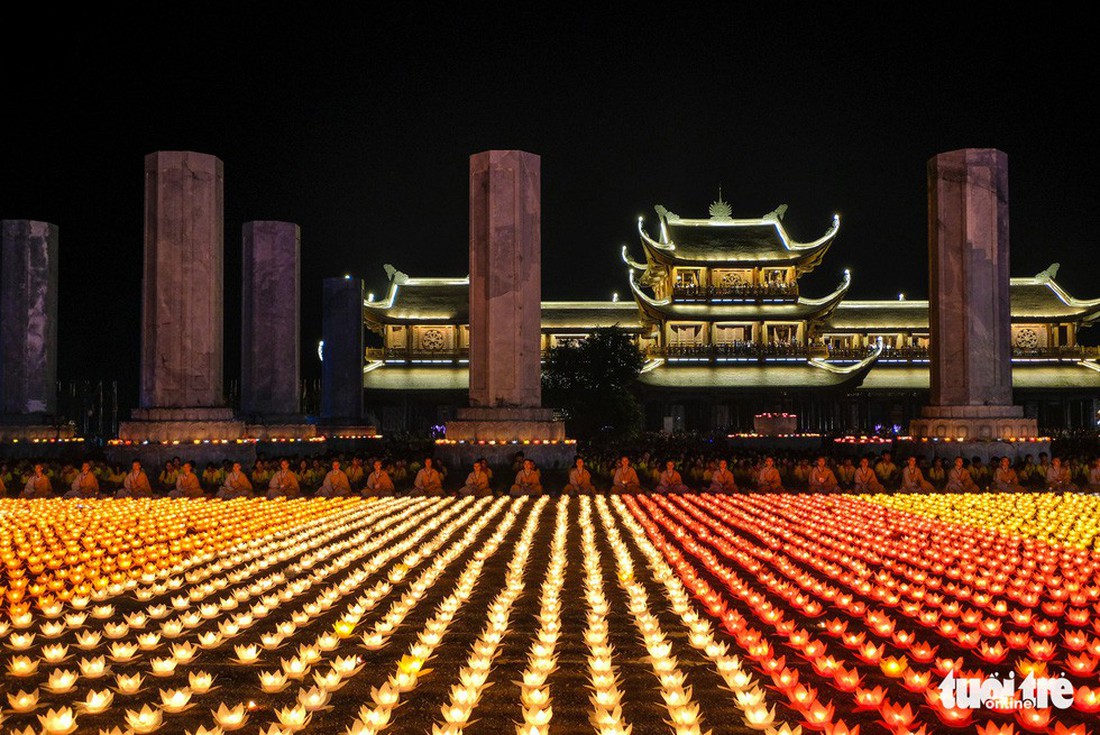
[270, 336]
[969, 310]
[342, 364]
[182, 288]
[505, 272]
[968, 251]
[28, 318]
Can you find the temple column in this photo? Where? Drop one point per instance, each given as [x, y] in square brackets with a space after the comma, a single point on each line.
[969, 304]
[28, 318]
[181, 397]
[342, 361]
[506, 312]
[270, 336]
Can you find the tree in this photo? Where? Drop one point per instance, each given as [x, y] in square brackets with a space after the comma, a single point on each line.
[590, 383]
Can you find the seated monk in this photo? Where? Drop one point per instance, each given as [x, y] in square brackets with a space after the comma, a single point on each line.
[283, 484]
[38, 484]
[335, 484]
[822, 479]
[912, 478]
[528, 480]
[670, 480]
[187, 484]
[767, 479]
[865, 480]
[1058, 477]
[1094, 476]
[379, 483]
[846, 473]
[959, 479]
[355, 472]
[236, 485]
[135, 484]
[722, 480]
[428, 480]
[477, 482]
[84, 485]
[580, 479]
[886, 470]
[625, 479]
[1005, 479]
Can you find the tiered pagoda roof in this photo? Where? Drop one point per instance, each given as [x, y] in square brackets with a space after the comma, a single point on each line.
[721, 239]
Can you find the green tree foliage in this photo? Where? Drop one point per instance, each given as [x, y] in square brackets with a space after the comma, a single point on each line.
[590, 383]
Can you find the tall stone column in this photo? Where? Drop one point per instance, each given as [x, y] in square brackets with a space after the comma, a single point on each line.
[506, 318]
[505, 279]
[181, 395]
[182, 288]
[342, 353]
[270, 336]
[28, 318]
[969, 306]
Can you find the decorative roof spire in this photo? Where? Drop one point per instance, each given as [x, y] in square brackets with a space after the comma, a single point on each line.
[720, 209]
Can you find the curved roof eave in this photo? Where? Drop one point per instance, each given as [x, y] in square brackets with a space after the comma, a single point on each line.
[829, 303]
[649, 306]
[633, 264]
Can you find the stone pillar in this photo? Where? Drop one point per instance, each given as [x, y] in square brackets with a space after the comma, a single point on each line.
[181, 397]
[505, 280]
[505, 315]
[28, 318]
[270, 338]
[182, 299]
[969, 305]
[342, 363]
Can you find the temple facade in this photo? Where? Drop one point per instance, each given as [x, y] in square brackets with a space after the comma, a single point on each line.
[719, 314]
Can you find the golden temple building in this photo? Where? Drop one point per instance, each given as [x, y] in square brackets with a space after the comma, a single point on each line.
[719, 314]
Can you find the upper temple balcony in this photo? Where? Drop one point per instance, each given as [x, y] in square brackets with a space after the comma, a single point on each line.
[735, 292]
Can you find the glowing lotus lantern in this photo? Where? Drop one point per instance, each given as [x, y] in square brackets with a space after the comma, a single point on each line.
[893, 667]
[58, 722]
[145, 720]
[230, 718]
[293, 718]
[1033, 720]
[22, 666]
[870, 698]
[61, 681]
[23, 702]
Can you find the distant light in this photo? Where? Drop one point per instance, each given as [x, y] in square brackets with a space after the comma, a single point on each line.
[370, 296]
[901, 297]
[615, 296]
[321, 350]
[347, 276]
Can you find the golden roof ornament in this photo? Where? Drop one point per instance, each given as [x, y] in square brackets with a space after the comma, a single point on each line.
[720, 209]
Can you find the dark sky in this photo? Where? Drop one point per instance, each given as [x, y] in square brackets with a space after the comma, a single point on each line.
[358, 127]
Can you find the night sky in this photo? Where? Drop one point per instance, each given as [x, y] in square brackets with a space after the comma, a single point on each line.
[359, 128]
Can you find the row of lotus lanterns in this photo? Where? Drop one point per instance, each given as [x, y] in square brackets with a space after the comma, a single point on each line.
[473, 677]
[679, 519]
[410, 666]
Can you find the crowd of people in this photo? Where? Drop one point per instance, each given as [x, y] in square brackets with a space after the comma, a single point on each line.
[668, 467]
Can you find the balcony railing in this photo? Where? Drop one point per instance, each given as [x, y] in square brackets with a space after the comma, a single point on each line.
[745, 291]
[395, 353]
[1077, 352]
[745, 350]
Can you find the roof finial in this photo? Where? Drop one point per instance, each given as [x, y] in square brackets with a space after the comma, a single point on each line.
[720, 209]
